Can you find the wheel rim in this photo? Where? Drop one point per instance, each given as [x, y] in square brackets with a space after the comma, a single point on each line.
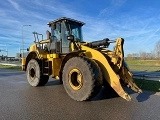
[32, 73]
[75, 79]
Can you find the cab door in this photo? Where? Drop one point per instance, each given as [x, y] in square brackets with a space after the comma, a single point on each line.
[55, 45]
[64, 42]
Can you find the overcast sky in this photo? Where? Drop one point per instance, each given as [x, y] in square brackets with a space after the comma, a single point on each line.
[137, 21]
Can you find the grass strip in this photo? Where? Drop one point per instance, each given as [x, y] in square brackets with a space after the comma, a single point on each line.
[10, 67]
[148, 85]
[149, 65]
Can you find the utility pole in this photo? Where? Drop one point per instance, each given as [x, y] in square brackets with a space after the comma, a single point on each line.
[23, 41]
[7, 53]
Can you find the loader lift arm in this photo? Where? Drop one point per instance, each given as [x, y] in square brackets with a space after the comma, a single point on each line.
[113, 69]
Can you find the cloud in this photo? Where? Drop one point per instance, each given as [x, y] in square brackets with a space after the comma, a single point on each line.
[14, 4]
[2, 45]
[111, 7]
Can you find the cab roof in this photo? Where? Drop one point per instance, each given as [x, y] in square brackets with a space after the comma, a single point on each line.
[67, 19]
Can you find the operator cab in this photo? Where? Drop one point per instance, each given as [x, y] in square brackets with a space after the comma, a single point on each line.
[63, 32]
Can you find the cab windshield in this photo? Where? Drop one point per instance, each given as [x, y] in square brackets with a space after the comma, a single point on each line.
[75, 30]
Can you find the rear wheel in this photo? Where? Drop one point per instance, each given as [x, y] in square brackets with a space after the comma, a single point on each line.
[34, 74]
[82, 78]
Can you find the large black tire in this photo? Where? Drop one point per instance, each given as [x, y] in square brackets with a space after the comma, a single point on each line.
[82, 78]
[34, 74]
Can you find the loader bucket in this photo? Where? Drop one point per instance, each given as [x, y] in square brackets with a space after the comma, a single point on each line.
[127, 78]
[108, 73]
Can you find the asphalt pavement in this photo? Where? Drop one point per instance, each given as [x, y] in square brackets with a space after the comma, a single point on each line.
[20, 101]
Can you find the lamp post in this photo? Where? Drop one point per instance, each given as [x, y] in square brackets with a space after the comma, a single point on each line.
[7, 53]
[23, 41]
[18, 55]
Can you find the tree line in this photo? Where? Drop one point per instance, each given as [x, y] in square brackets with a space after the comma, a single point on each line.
[153, 55]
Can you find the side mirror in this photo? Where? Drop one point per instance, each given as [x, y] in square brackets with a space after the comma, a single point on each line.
[70, 38]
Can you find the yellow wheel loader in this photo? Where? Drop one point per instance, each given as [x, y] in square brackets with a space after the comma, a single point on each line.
[82, 67]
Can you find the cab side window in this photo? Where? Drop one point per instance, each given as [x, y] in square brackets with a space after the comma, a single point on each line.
[56, 32]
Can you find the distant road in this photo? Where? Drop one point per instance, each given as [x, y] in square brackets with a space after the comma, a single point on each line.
[147, 75]
[20, 101]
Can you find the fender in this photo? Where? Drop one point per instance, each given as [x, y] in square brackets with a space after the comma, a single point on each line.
[31, 55]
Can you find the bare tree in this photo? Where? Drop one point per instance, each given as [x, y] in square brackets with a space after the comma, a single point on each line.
[143, 55]
[157, 49]
[152, 55]
[129, 57]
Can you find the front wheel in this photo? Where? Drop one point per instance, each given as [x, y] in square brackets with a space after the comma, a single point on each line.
[82, 78]
[34, 74]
